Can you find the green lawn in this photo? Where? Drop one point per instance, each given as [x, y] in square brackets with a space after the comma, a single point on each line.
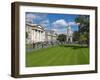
[58, 55]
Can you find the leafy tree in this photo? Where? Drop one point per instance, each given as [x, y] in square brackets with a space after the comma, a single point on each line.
[76, 36]
[83, 26]
[84, 23]
[61, 38]
[82, 39]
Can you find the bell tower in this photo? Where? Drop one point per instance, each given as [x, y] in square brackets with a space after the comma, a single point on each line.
[69, 35]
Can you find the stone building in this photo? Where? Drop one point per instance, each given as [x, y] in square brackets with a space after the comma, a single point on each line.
[34, 33]
[50, 36]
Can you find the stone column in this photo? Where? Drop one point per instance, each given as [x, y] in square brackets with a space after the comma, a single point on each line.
[35, 35]
[40, 36]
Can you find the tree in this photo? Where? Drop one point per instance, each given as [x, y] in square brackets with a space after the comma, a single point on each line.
[84, 23]
[61, 38]
[82, 39]
[76, 36]
[83, 26]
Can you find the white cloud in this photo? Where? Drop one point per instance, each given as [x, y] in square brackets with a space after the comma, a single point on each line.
[45, 23]
[56, 30]
[59, 31]
[31, 17]
[59, 26]
[59, 23]
[72, 23]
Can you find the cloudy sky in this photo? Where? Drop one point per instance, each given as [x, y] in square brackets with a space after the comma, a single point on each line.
[56, 22]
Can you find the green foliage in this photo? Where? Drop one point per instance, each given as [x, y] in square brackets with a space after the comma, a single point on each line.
[76, 36]
[83, 27]
[82, 38]
[61, 38]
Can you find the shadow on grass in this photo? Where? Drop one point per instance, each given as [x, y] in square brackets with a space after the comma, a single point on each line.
[75, 46]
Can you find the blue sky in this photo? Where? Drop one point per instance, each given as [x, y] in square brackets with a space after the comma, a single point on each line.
[56, 22]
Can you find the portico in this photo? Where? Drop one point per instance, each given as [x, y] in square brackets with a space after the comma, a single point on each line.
[36, 33]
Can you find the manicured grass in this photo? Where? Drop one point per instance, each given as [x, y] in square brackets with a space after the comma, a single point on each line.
[58, 55]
